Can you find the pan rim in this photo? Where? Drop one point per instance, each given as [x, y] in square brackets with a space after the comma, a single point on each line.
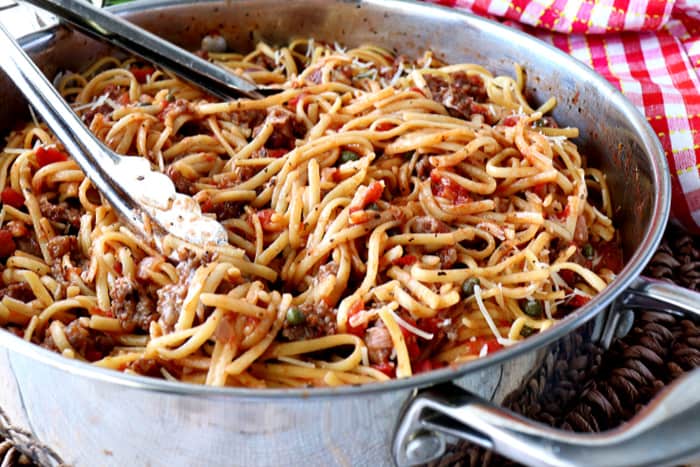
[660, 178]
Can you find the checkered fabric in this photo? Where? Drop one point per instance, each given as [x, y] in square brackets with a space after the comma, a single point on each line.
[648, 49]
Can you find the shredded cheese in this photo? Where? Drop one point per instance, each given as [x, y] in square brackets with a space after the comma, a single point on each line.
[365, 356]
[397, 75]
[408, 327]
[489, 320]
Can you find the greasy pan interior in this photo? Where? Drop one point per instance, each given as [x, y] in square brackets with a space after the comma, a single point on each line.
[614, 136]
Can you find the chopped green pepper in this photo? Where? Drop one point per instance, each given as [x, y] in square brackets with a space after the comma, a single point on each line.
[295, 316]
[347, 156]
[588, 251]
[526, 331]
[468, 286]
[533, 308]
[372, 207]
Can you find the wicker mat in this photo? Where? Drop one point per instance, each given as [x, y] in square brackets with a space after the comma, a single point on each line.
[587, 393]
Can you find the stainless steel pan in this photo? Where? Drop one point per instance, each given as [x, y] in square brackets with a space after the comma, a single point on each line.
[98, 417]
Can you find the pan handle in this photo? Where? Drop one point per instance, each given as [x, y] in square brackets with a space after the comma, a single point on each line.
[660, 295]
[663, 432]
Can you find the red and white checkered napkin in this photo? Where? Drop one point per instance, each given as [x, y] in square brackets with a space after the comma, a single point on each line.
[648, 49]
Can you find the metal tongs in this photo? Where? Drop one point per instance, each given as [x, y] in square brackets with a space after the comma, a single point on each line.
[105, 26]
[144, 198]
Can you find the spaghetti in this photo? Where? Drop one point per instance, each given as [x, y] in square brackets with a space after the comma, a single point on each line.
[391, 216]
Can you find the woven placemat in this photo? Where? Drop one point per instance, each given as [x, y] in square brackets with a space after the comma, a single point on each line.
[584, 392]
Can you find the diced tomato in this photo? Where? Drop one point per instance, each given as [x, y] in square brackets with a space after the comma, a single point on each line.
[276, 153]
[292, 104]
[332, 174]
[265, 217]
[92, 355]
[124, 99]
[474, 347]
[7, 243]
[445, 187]
[578, 300]
[430, 325]
[387, 368]
[12, 197]
[46, 156]
[611, 256]
[412, 345]
[17, 228]
[371, 195]
[405, 260]
[374, 192]
[207, 205]
[540, 190]
[384, 126]
[422, 366]
[142, 73]
[568, 275]
[511, 120]
[411, 340]
[358, 330]
[565, 213]
[100, 312]
[418, 90]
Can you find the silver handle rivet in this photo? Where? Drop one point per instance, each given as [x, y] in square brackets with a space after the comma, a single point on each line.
[424, 446]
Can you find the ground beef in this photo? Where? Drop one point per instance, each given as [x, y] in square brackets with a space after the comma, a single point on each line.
[146, 367]
[240, 174]
[227, 210]
[287, 128]
[113, 92]
[461, 96]
[174, 109]
[340, 74]
[19, 291]
[248, 118]
[194, 128]
[171, 297]
[581, 231]
[61, 245]
[152, 367]
[29, 245]
[328, 269]
[170, 300]
[388, 72]
[448, 257]
[549, 122]
[428, 224]
[428, 348]
[92, 345]
[132, 305]
[320, 320]
[316, 76]
[182, 184]
[264, 61]
[47, 343]
[61, 212]
[379, 343]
